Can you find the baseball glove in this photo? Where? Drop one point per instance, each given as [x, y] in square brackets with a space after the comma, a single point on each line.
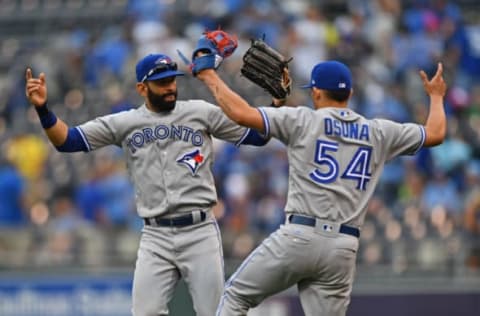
[212, 48]
[267, 68]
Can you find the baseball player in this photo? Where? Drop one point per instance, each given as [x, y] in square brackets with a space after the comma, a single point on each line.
[336, 157]
[167, 144]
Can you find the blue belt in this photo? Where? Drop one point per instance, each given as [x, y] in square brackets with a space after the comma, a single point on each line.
[310, 221]
[179, 221]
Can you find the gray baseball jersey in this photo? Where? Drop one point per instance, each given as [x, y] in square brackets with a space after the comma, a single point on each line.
[335, 158]
[169, 158]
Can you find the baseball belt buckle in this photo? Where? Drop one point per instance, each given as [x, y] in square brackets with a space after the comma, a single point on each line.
[327, 228]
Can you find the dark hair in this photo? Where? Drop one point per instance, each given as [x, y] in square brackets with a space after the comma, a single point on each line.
[339, 95]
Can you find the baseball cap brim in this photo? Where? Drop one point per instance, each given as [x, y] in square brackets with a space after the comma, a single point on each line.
[165, 74]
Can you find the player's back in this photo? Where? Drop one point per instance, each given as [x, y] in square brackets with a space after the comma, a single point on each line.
[336, 157]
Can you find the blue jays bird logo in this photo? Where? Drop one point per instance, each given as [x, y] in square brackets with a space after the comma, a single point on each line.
[163, 60]
[192, 160]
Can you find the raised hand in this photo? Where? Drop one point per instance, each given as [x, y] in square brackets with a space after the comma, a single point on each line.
[435, 86]
[212, 48]
[267, 68]
[35, 88]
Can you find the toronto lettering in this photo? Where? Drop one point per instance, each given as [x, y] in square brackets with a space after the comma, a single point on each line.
[162, 132]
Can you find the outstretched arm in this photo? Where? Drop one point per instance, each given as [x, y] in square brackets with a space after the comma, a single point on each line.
[234, 106]
[65, 139]
[436, 124]
[36, 92]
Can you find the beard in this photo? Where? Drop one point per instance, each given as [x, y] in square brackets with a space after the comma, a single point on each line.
[159, 102]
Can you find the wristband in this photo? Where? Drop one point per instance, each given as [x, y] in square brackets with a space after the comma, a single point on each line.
[47, 118]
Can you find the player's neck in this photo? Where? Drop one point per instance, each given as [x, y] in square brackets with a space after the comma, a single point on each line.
[321, 99]
[328, 103]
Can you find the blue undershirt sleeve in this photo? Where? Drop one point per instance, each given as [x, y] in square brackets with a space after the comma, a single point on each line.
[254, 138]
[74, 142]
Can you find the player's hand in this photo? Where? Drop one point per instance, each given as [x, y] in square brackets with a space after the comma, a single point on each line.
[435, 86]
[205, 74]
[215, 46]
[35, 88]
[278, 102]
[286, 79]
[286, 84]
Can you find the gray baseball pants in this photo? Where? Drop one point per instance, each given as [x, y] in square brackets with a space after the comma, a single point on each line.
[321, 264]
[167, 254]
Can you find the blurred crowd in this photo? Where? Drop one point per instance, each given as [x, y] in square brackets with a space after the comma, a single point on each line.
[78, 209]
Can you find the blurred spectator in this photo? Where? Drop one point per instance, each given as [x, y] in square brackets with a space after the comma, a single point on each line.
[385, 102]
[107, 198]
[380, 21]
[109, 55]
[310, 34]
[412, 188]
[117, 99]
[472, 214]
[12, 195]
[147, 9]
[61, 231]
[465, 47]
[453, 153]
[28, 152]
[470, 120]
[441, 191]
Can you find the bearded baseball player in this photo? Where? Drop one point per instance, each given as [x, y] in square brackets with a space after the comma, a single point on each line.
[336, 157]
[167, 145]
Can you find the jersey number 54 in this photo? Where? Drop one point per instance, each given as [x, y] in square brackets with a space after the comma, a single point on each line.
[358, 168]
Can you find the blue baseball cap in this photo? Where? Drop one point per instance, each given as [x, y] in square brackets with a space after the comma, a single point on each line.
[156, 66]
[330, 75]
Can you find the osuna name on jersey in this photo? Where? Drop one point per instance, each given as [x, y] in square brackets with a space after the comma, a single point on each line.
[353, 130]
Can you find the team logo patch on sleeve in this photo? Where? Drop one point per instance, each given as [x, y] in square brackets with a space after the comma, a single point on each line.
[193, 160]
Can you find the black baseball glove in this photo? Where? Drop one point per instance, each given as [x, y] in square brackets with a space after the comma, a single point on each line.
[267, 68]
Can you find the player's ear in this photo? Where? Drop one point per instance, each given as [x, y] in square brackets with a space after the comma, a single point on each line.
[141, 89]
[316, 94]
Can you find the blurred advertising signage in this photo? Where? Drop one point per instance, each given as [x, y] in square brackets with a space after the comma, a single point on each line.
[73, 296]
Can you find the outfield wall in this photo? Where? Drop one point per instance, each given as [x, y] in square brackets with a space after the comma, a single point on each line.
[108, 294]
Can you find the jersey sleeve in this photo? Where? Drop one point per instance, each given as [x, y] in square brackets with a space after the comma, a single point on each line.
[401, 139]
[224, 128]
[283, 123]
[101, 132]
